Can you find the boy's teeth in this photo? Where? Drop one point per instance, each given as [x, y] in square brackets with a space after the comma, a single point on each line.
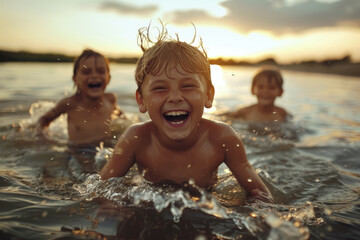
[175, 113]
[176, 117]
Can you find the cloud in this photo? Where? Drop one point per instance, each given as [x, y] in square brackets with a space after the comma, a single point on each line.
[127, 9]
[193, 15]
[277, 16]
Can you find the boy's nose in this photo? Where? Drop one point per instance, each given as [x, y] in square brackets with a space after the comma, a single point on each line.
[94, 73]
[175, 96]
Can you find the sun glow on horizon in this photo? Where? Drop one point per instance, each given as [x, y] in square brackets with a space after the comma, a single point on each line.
[68, 28]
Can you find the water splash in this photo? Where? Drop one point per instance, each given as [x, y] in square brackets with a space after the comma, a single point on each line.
[56, 131]
[266, 221]
[135, 191]
[102, 155]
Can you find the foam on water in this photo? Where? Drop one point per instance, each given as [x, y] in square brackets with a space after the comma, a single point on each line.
[272, 221]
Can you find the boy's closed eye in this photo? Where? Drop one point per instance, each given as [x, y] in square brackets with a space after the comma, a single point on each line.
[260, 86]
[272, 87]
[190, 84]
[86, 70]
[100, 70]
[158, 89]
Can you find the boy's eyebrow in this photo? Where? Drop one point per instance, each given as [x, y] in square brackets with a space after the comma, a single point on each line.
[156, 81]
[185, 78]
[190, 78]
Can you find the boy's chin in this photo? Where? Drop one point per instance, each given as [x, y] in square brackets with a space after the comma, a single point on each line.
[266, 103]
[177, 135]
[95, 94]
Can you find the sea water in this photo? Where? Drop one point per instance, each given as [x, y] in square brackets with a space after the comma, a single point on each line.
[311, 163]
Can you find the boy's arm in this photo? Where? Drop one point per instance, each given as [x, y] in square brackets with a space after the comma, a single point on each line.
[245, 174]
[123, 156]
[44, 121]
[113, 99]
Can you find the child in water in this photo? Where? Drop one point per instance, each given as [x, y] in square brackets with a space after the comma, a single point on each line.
[178, 144]
[91, 110]
[266, 86]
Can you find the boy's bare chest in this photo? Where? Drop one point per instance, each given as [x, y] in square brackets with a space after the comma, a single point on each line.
[259, 116]
[180, 166]
[82, 122]
[81, 115]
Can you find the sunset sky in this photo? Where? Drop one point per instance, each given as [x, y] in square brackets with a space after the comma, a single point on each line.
[287, 30]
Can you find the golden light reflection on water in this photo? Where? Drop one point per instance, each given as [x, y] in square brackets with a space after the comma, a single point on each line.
[332, 136]
[217, 76]
[218, 80]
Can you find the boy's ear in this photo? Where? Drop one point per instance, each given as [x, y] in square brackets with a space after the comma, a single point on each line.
[74, 79]
[140, 102]
[210, 98]
[281, 93]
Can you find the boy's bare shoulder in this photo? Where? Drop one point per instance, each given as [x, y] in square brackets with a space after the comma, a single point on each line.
[246, 110]
[240, 112]
[139, 130]
[282, 112]
[218, 129]
[111, 97]
[67, 104]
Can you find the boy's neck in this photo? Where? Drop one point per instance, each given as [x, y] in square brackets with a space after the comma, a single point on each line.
[91, 102]
[179, 145]
[266, 108]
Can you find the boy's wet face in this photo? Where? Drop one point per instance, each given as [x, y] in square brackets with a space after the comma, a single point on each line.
[175, 103]
[92, 77]
[266, 91]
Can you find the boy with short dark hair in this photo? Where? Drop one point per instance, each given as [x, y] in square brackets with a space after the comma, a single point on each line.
[267, 85]
[90, 110]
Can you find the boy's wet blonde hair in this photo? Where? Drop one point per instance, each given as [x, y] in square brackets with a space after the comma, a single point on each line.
[166, 53]
[270, 73]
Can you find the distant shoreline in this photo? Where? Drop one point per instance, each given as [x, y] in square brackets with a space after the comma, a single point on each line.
[343, 66]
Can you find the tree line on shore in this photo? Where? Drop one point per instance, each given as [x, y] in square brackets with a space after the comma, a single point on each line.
[24, 56]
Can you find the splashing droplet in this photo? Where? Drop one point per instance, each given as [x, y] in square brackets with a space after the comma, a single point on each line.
[253, 214]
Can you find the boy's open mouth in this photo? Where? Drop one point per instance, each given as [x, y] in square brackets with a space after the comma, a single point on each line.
[95, 85]
[176, 117]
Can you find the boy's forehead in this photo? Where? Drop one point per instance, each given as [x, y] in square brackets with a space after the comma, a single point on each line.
[174, 72]
[263, 79]
[150, 79]
[97, 60]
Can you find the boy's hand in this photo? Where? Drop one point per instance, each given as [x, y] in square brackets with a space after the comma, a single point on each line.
[263, 196]
[39, 131]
